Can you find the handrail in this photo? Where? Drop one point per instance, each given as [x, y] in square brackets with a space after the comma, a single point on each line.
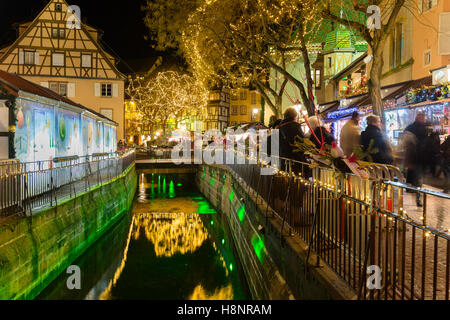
[38, 184]
[361, 222]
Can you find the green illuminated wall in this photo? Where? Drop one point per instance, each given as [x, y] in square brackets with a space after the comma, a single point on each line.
[33, 252]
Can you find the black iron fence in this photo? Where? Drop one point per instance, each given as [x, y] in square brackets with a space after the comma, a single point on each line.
[358, 227]
[27, 186]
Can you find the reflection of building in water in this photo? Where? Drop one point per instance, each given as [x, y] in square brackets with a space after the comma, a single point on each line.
[171, 233]
[225, 293]
[106, 293]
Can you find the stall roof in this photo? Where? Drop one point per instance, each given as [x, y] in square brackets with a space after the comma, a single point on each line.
[394, 91]
[398, 90]
[14, 84]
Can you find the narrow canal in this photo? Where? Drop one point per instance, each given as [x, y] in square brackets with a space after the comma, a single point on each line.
[172, 245]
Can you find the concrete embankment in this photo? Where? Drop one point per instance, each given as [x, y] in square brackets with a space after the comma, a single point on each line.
[35, 250]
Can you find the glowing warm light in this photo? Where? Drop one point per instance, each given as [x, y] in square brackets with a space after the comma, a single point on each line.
[105, 295]
[225, 293]
[171, 233]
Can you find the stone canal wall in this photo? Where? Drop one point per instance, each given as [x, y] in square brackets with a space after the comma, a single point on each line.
[274, 265]
[34, 251]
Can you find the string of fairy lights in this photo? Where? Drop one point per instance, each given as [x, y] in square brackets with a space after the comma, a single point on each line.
[168, 95]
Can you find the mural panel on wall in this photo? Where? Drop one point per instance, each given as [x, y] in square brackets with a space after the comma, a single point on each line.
[44, 132]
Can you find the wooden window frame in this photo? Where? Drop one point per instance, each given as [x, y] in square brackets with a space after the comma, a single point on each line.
[424, 57]
[58, 33]
[53, 60]
[59, 84]
[106, 90]
[25, 57]
[90, 61]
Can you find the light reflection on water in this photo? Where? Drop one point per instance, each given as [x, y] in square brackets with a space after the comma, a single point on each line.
[162, 251]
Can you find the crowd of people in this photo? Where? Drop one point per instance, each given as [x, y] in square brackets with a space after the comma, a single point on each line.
[423, 151]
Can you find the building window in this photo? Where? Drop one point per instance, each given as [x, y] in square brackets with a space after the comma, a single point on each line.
[428, 4]
[427, 58]
[234, 110]
[329, 62]
[318, 79]
[58, 7]
[107, 113]
[58, 59]
[29, 57]
[243, 95]
[243, 110]
[86, 60]
[234, 95]
[106, 90]
[59, 87]
[396, 52]
[253, 98]
[58, 33]
[214, 96]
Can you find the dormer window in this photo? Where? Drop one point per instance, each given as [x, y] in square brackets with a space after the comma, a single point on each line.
[58, 7]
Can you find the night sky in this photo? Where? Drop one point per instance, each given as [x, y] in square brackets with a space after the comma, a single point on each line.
[122, 23]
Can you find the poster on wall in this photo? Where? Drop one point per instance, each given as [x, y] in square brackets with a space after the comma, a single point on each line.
[33, 140]
[68, 140]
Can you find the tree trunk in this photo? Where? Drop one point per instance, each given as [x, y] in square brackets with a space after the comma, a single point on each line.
[374, 83]
[279, 106]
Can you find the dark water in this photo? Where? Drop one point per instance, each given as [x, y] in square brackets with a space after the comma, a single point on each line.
[172, 245]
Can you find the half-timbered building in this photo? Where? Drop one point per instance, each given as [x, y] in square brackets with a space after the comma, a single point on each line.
[58, 51]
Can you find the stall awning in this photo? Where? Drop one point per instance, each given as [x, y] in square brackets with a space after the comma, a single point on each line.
[390, 92]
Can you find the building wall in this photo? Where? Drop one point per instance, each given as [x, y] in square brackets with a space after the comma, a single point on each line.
[85, 95]
[251, 101]
[403, 69]
[426, 38]
[46, 129]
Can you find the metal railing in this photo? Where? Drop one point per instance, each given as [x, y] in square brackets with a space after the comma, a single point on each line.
[27, 186]
[353, 223]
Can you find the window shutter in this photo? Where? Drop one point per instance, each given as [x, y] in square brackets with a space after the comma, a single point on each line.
[21, 57]
[44, 84]
[36, 58]
[97, 89]
[444, 34]
[419, 5]
[115, 89]
[71, 90]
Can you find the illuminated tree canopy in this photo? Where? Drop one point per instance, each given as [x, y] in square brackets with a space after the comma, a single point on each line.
[168, 95]
[242, 43]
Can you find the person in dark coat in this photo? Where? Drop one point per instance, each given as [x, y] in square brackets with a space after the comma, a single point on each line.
[373, 132]
[414, 160]
[445, 149]
[289, 129]
[319, 132]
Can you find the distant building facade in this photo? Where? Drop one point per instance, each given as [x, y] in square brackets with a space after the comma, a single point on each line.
[245, 106]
